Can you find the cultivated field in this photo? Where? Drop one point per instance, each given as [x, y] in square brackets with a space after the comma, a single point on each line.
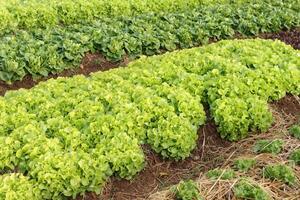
[149, 99]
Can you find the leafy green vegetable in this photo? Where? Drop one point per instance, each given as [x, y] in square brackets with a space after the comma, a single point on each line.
[295, 156]
[223, 174]
[295, 131]
[23, 14]
[244, 164]
[16, 186]
[69, 135]
[246, 189]
[187, 190]
[268, 146]
[280, 172]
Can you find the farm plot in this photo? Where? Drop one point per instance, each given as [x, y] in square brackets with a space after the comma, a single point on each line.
[67, 136]
[225, 115]
[31, 49]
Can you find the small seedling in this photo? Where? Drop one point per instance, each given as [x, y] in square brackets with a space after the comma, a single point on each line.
[187, 190]
[245, 189]
[268, 146]
[224, 174]
[295, 156]
[280, 172]
[244, 164]
[295, 131]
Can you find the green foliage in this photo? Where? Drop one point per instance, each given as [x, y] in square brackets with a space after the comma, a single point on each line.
[224, 174]
[237, 116]
[295, 131]
[51, 13]
[244, 164]
[187, 190]
[19, 14]
[268, 146]
[16, 186]
[295, 156]
[280, 172]
[236, 92]
[69, 135]
[116, 28]
[246, 189]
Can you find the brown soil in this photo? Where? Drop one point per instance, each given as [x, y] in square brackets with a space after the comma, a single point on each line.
[291, 37]
[289, 105]
[96, 62]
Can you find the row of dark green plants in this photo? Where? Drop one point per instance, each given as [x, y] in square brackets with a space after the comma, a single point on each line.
[40, 51]
[20, 14]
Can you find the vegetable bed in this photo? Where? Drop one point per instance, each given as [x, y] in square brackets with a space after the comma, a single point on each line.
[40, 51]
[67, 136]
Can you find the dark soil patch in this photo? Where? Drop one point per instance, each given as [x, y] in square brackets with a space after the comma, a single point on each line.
[291, 37]
[289, 105]
[96, 62]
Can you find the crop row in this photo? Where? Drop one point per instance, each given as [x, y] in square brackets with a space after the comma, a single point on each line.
[19, 14]
[240, 77]
[69, 135]
[42, 51]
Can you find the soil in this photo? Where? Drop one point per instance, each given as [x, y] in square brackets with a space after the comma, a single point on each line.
[96, 62]
[291, 37]
[289, 105]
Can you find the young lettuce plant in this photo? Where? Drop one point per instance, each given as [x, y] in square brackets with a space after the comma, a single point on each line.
[187, 190]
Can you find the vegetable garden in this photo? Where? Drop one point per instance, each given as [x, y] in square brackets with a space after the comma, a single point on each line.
[67, 137]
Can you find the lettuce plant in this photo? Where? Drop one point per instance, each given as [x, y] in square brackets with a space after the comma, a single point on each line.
[295, 156]
[244, 164]
[280, 172]
[246, 189]
[187, 190]
[295, 131]
[268, 146]
[223, 174]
